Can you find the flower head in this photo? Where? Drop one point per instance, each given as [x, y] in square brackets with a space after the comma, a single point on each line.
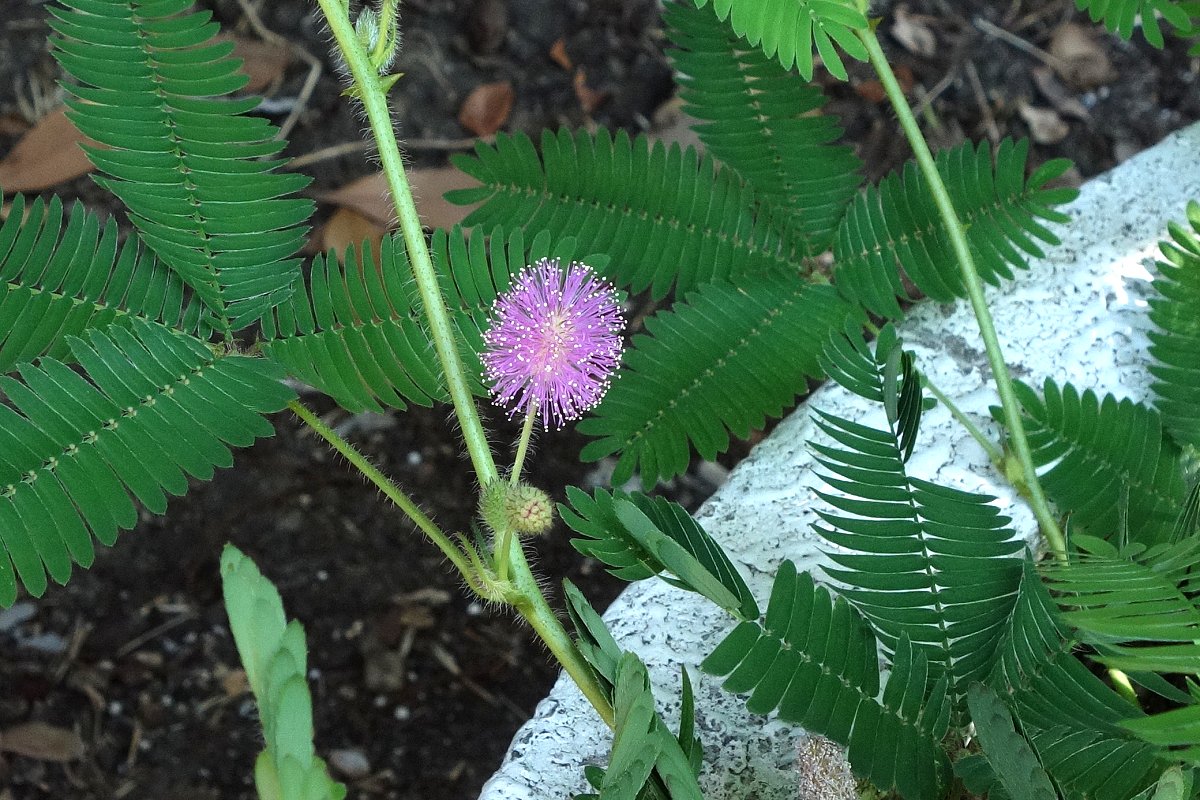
[554, 342]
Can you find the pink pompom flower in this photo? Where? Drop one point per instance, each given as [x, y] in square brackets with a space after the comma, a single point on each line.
[554, 342]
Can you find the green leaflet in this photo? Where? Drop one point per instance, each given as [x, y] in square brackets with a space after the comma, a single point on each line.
[274, 655]
[156, 407]
[758, 119]
[1111, 464]
[666, 217]
[1175, 344]
[1135, 607]
[642, 741]
[58, 282]
[789, 30]
[1121, 16]
[814, 660]
[185, 160]
[923, 562]
[1070, 716]
[1012, 759]
[638, 536]
[721, 362]
[896, 226]
[355, 331]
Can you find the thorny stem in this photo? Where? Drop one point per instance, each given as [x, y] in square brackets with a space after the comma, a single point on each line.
[522, 590]
[385, 485]
[974, 286]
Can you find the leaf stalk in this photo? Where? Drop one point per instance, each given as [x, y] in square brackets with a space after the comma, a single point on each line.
[974, 285]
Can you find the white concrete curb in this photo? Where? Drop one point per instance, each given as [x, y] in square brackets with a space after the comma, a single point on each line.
[1078, 315]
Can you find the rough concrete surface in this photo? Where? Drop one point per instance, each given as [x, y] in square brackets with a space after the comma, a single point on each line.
[1077, 315]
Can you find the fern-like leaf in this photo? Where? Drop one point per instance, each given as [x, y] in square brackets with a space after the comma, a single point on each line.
[723, 361]
[185, 160]
[1109, 461]
[896, 227]
[665, 216]
[1177, 730]
[789, 30]
[155, 407]
[58, 282]
[761, 121]
[633, 553]
[1175, 344]
[1070, 716]
[1135, 607]
[677, 758]
[356, 331]
[1121, 16]
[814, 659]
[926, 563]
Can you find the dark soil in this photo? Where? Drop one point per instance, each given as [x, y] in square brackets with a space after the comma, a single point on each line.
[417, 688]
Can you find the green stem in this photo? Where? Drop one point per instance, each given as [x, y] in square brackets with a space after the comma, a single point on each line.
[522, 591]
[523, 444]
[441, 330]
[995, 454]
[974, 286]
[393, 492]
[504, 539]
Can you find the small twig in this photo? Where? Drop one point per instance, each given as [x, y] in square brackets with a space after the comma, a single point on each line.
[158, 630]
[927, 98]
[1019, 43]
[250, 10]
[985, 108]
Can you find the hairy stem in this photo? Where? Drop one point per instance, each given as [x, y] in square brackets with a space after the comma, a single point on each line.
[522, 590]
[523, 444]
[374, 101]
[385, 485]
[974, 285]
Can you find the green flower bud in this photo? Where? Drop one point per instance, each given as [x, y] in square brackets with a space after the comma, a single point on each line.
[524, 509]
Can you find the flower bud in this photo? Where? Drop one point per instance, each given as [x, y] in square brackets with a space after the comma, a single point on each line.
[524, 509]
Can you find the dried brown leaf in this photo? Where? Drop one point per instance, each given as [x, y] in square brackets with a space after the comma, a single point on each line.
[348, 227]
[911, 32]
[46, 156]
[589, 99]
[369, 196]
[42, 741]
[558, 53]
[1045, 125]
[1079, 57]
[487, 107]
[263, 62]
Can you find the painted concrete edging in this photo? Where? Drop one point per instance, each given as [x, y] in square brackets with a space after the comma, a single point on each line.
[1078, 315]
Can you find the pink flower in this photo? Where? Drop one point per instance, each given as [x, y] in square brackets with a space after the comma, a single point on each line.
[554, 342]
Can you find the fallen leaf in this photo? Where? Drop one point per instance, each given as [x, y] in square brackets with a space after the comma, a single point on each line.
[42, 741]
[558, 53]
[46, 156]
[1045, 125]
[487, 107]
[49, 153]
[235, 683]
[913, 34]
[670, 123]
[263, 62]
[348, 227]
[589, 99]
[1080, 58]
[1053, 90]
[370, 197]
